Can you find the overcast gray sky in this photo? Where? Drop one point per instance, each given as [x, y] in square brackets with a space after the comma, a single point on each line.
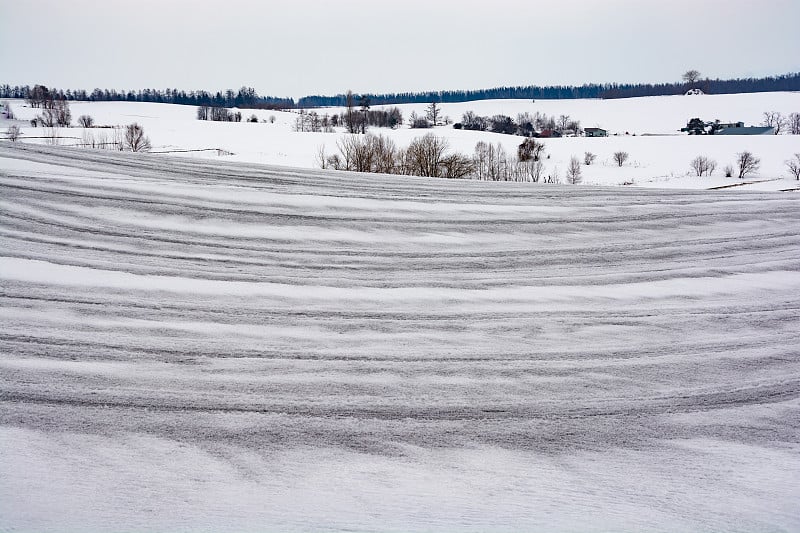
[301, 47]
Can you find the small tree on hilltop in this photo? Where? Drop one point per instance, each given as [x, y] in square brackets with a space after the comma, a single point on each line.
[747, 163]
[691, 76]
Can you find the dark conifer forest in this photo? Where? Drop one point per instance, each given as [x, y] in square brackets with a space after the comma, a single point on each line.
[247, 97]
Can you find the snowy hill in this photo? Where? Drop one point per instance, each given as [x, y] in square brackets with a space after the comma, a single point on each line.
[646, 128]
[205, 346]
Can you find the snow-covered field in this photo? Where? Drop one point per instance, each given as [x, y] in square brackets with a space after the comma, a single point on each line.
[193, 345]
[659, 154]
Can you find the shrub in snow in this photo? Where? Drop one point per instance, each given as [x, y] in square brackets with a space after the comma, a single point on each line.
[728, 171]
[620, 157]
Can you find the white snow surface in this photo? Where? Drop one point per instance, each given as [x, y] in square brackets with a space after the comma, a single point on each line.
[660, 155]
[193, 345]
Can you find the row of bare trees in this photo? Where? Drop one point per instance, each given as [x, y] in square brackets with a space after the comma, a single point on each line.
[425, 156]
[55, 113]
[746, 163]
[430, 155]
[218, 114]
[782, 124]
[131, 138]
[526, 124]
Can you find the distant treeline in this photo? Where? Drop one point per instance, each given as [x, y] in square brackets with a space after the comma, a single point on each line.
[786, 82]
[246, 97]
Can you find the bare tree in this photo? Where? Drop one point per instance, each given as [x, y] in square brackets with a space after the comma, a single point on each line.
[433, 114]
[364, 103]
[384, 154]
[348, 148]
[117, 139]
[479, 160]
[87, 139]
[747, 163]
[455, 166]
[368, 153]
[563, 123]
[38, 96]
[424, 155]
[85, 121]
[471, 121]
[703, 165]
[350, 119]
[794, 123]
[13, 133]
[574, 171]
[691, 76]
[620, 157]
[589, 158]
[794, 166]
[48, 117]
[322, 159]
[63, 116]
[51, 136]
[203, 112]
[489, 161]
[530, 149]
[534, 170]
[775, 120]
[135, 140]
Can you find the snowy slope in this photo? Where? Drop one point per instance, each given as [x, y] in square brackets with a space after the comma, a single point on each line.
[655, 161]
[206, 346]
